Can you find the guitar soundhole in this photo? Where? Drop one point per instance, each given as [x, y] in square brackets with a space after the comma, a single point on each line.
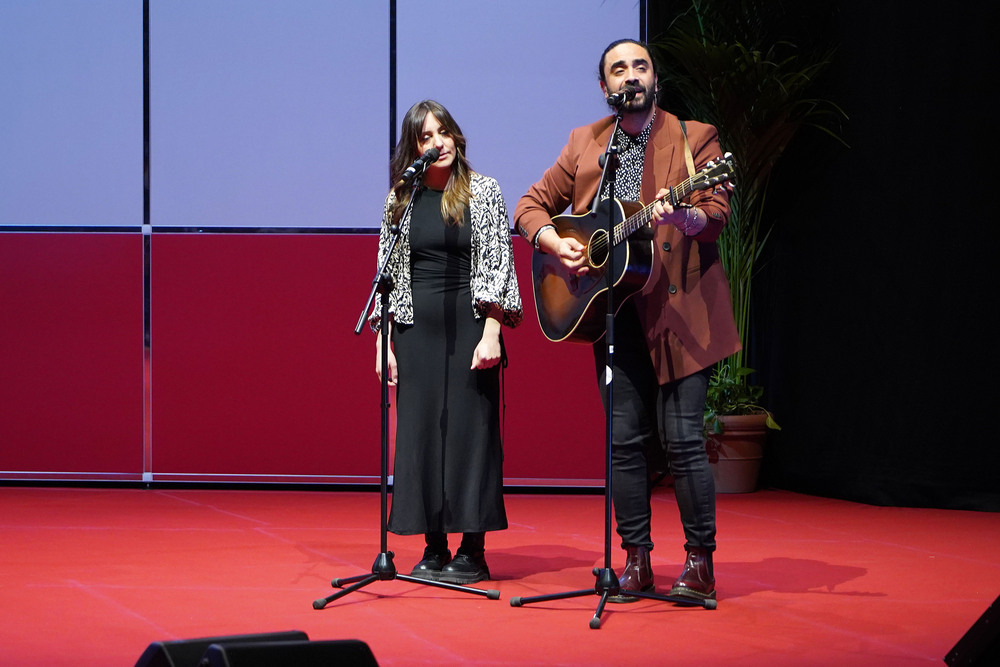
[597, 249]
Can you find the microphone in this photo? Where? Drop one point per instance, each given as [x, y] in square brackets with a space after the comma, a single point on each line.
[625, 94]
[418, 166]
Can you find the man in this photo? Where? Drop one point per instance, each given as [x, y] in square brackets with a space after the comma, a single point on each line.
[672, 331]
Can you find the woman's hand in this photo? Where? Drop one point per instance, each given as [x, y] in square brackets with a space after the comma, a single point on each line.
[487, 352]
[391, 360]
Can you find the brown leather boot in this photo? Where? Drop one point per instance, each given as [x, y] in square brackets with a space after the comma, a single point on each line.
[697, 580]
[637, 576]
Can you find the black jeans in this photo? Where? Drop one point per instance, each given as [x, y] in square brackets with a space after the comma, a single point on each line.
[647, 416]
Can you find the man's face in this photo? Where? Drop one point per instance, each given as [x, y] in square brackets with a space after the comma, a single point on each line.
[629, 63]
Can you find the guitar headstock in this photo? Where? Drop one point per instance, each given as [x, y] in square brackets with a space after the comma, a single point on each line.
[715, 173]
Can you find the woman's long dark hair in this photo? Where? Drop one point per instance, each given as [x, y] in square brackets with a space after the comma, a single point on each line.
[456, 192]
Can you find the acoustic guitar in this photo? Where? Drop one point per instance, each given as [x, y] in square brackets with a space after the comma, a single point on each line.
[573, 307]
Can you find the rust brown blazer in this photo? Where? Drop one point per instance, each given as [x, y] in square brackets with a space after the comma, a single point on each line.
[685, 308]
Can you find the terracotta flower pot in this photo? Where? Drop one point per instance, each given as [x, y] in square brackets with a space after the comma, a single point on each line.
[735, 454]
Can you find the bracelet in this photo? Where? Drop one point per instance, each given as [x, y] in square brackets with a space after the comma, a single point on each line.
[690, 223]
[687, 219]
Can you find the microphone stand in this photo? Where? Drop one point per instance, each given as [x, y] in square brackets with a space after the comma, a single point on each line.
[607, 581]
[383, 569]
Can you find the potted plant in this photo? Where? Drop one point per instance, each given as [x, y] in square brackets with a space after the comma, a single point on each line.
[723, 62]
[735, 428]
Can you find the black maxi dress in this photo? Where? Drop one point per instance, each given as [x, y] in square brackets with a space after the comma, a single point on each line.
[448, 471]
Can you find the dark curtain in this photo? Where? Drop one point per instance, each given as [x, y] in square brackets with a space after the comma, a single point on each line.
[874, 314]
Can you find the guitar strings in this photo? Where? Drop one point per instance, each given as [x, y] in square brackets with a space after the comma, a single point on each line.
[642, 217]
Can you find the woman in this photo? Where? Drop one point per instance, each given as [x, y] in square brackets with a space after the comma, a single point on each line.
[454, 285]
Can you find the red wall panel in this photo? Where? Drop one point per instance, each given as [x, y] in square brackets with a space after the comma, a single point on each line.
[256, 373]
[71, 355]
[255, 366]
[555, 422]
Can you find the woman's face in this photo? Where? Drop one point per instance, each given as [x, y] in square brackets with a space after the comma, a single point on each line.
[433, 135]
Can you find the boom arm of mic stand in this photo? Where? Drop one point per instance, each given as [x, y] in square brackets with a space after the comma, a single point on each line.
[612, 150]
[381, 275]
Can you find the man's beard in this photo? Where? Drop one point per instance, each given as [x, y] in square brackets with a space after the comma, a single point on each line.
[636, 106]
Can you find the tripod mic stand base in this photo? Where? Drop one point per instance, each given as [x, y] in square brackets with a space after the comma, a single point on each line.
[708, 603]
[607, 586]
[384, 570]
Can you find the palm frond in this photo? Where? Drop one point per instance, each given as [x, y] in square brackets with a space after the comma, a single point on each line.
[721, 63]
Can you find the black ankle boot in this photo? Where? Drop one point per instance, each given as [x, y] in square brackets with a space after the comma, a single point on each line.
[436, 556]
[469, 565]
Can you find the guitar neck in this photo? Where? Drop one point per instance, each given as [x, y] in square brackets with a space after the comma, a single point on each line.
[644, 216]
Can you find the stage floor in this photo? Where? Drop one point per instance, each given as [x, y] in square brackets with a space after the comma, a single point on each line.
[92, 576]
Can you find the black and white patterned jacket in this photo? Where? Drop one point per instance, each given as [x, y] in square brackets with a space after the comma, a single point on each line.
[493, 279]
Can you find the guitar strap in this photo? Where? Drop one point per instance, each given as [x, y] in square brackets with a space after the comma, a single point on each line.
[687, 150]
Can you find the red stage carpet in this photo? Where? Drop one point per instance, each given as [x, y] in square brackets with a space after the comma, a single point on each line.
[93, 576]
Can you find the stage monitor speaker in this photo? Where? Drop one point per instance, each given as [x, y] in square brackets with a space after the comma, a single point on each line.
[188, 652]
[341, 652]
[981, 644]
